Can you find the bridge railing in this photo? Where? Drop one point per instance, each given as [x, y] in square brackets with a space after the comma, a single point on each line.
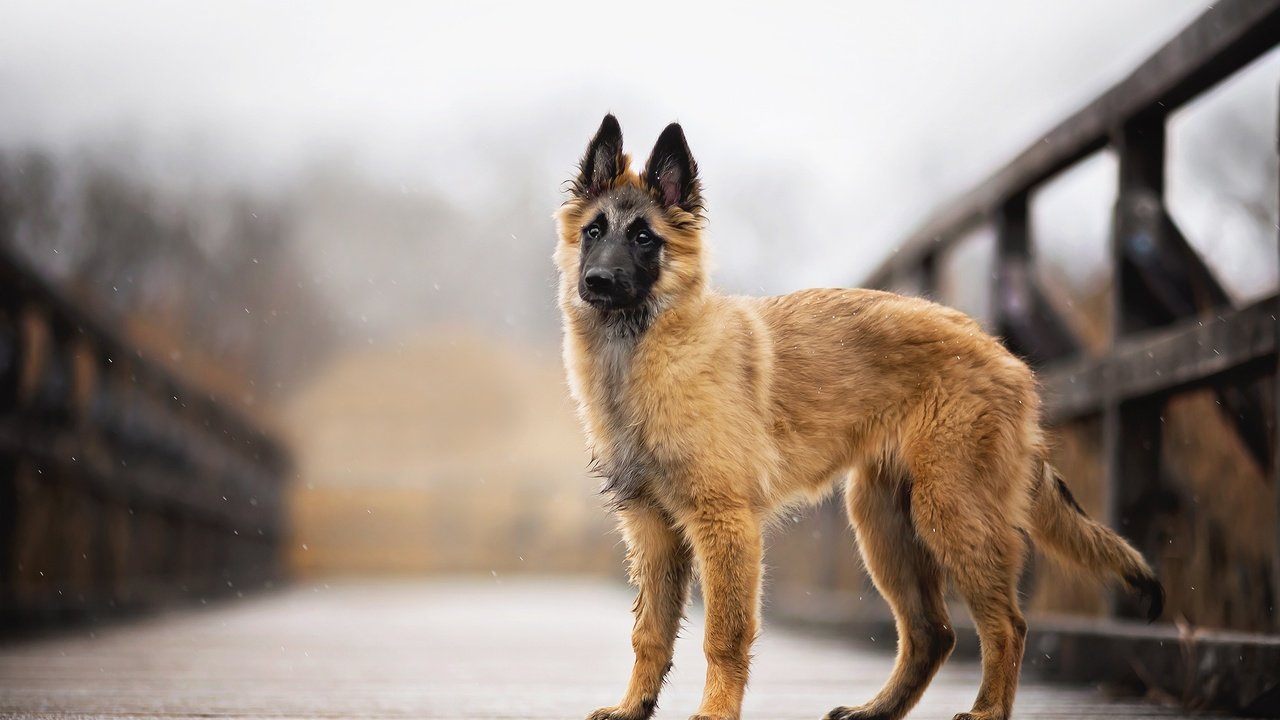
[122, 487]
[1172, 325]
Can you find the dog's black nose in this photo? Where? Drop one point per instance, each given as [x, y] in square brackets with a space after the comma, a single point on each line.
[599, 280]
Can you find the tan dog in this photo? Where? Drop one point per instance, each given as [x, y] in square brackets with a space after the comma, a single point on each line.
[709, 414]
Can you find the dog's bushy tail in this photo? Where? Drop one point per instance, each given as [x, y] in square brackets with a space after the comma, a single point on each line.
[1061, 527]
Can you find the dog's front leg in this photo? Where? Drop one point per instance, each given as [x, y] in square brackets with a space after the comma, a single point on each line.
[729, 549]
[659, 563]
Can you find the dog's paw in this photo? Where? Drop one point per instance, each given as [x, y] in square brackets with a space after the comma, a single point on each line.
[713, 717]
[855, 713]
[971, 715]
[643, 712]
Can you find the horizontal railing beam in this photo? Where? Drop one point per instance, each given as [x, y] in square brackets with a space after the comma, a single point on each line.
[1194, 352]
[1224, 39]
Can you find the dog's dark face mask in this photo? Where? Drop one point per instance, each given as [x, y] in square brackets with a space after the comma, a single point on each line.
[621, 246]
[621, 255]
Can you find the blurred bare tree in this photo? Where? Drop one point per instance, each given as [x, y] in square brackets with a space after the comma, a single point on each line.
[205, 281]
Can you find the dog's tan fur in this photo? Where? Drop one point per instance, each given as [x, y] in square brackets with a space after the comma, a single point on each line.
[741, 407]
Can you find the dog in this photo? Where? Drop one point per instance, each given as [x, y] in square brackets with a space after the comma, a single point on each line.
[708, 415]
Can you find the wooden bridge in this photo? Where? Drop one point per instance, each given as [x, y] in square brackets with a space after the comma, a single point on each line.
[128, 495]
[482, 648]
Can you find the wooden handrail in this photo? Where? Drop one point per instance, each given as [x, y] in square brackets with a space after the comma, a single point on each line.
[1221, 41]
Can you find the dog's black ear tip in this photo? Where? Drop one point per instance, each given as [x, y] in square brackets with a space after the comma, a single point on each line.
[672, 133]
[610, 125]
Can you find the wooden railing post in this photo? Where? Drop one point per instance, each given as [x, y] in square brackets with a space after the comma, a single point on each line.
[929, 276]
[1275, 443]
[10, 373]
[1013, 262]
[95, 434]
[1024, 318]
[1132, 429]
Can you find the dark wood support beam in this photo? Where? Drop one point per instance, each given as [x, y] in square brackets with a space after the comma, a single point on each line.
[93, 432]
[1275, 457]
[1172, 280]
[1025, 319]
[929, 275]
[1131, 429]
[1160, 277]
[1132, 438]
[10, 351]
[1163, 275]
[1233, 346]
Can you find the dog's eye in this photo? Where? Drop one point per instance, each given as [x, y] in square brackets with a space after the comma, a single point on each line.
[644, 238]
[593, 232]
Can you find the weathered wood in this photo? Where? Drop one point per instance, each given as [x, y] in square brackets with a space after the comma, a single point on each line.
[479, 648]
[1201, 669]
[1275, 428]
[104, 456]
[1172, 322]
[8, 530]
[1131, 447]
[1231, 345]
[1224, 39]
[1131, 432]
[9, 353]
[929, 275]
[1160, 278]
[1168, 278]
[1025, 319]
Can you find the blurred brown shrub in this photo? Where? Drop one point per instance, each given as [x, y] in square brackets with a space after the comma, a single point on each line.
[456, 453]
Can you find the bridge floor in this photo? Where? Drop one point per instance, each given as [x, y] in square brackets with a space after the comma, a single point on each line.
[481, 648]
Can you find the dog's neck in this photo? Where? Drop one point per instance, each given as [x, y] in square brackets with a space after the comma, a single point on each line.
[626, 325]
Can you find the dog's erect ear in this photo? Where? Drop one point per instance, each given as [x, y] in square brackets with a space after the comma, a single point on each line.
[604, 160]
[671, 172]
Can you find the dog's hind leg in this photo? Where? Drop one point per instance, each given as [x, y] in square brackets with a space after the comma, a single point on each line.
[660, 565]
[908, 577]
[982, 551]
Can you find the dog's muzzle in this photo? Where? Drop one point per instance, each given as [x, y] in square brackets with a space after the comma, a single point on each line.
[606, 289]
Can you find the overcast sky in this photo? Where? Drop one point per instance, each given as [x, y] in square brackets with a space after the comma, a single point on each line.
[866, 115]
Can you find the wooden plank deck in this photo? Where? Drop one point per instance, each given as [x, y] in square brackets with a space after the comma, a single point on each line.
[473, 648]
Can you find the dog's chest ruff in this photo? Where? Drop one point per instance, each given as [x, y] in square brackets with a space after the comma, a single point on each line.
[621, 457]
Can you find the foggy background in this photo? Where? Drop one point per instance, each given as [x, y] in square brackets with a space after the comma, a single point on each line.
[338, 215]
